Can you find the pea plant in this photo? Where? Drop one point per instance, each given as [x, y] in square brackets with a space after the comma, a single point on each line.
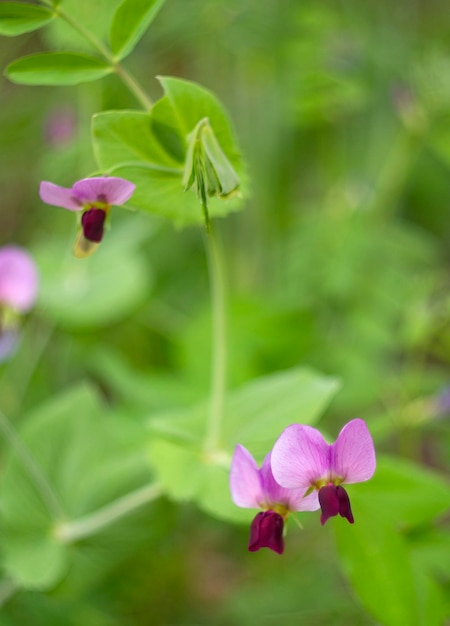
[76, 468]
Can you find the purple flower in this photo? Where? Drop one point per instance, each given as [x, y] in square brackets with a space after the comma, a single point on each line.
[18, 290]
[302, 459]
[255, 488]
[93, 196]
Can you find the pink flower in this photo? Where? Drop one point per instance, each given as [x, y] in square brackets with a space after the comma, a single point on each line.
[302, 459]
[93, 196]
[255, 488]
[18, 290]
[18, 279]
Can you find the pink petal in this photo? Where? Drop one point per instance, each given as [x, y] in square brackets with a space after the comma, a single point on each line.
[300, 457]
[109, 190]
[353, 453]
[299, 502]
[293, 499]
[59, 196]
[18, 278]
[245, 481]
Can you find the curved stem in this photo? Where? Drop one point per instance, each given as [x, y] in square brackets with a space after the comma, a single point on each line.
[98, 45]
[68, 532]
[219, 347]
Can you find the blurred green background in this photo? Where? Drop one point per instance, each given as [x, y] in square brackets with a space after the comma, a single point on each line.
[339, 261]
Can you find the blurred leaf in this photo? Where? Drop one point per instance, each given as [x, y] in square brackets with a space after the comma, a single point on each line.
[96, 291]
[130, 21]
[94, 16]
[190, 475]
[374, 551]
[17, 18]
[85, 458]
[404, 493]
[256, 413]
[376, 560]
[57, 68]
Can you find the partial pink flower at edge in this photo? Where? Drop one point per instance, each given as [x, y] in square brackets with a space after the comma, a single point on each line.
[19, 279]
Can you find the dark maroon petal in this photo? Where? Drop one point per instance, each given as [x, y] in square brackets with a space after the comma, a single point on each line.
[344, 504]
[92, 222]
[266, 531]
[329, 502]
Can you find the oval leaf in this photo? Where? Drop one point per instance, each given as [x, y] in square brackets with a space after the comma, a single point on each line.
[57, 68]
[130, 22]
[17, 18]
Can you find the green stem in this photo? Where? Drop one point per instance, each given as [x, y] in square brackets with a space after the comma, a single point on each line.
[98, 45]
[36, 474]
[68, 532]
[219, 351]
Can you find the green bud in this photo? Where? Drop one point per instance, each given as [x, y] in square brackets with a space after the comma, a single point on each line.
[207, 167]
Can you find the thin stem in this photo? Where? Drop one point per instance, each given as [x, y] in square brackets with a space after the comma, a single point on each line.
[133, 86]
[219, 351]
[68, 532]
[36, 474]
[98, 45]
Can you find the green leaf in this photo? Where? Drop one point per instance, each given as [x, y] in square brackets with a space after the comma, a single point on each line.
[130, 22]
[375, 551]
[100, 290]
[127, 136]
[190, 103]
[150, 150]
[86, 458]
[57, 68]
[256, 413]
[161, 193]
[17, 18]
[376, 560]
[190, 475]
[404, 493]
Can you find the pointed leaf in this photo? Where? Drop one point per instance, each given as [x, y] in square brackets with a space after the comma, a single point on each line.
[130, 22]
[56, 68]
[17, 18]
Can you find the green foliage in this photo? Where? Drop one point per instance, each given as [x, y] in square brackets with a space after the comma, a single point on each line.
[130, 21]
[150, 149]
[57, 68]
[402, 496]
[17, 18]
[79, 458]
[103, 289]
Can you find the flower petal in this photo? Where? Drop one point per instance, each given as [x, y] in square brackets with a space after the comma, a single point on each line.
[18, 278]
[300, 457]
[59, 196]
[292, 499]
[245, 482]
[109, 190]
[353, 453]
[266, 531]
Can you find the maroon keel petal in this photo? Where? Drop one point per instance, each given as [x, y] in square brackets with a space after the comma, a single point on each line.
[267, 532]
[93, 221]
[329, 502]
[344, 504]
